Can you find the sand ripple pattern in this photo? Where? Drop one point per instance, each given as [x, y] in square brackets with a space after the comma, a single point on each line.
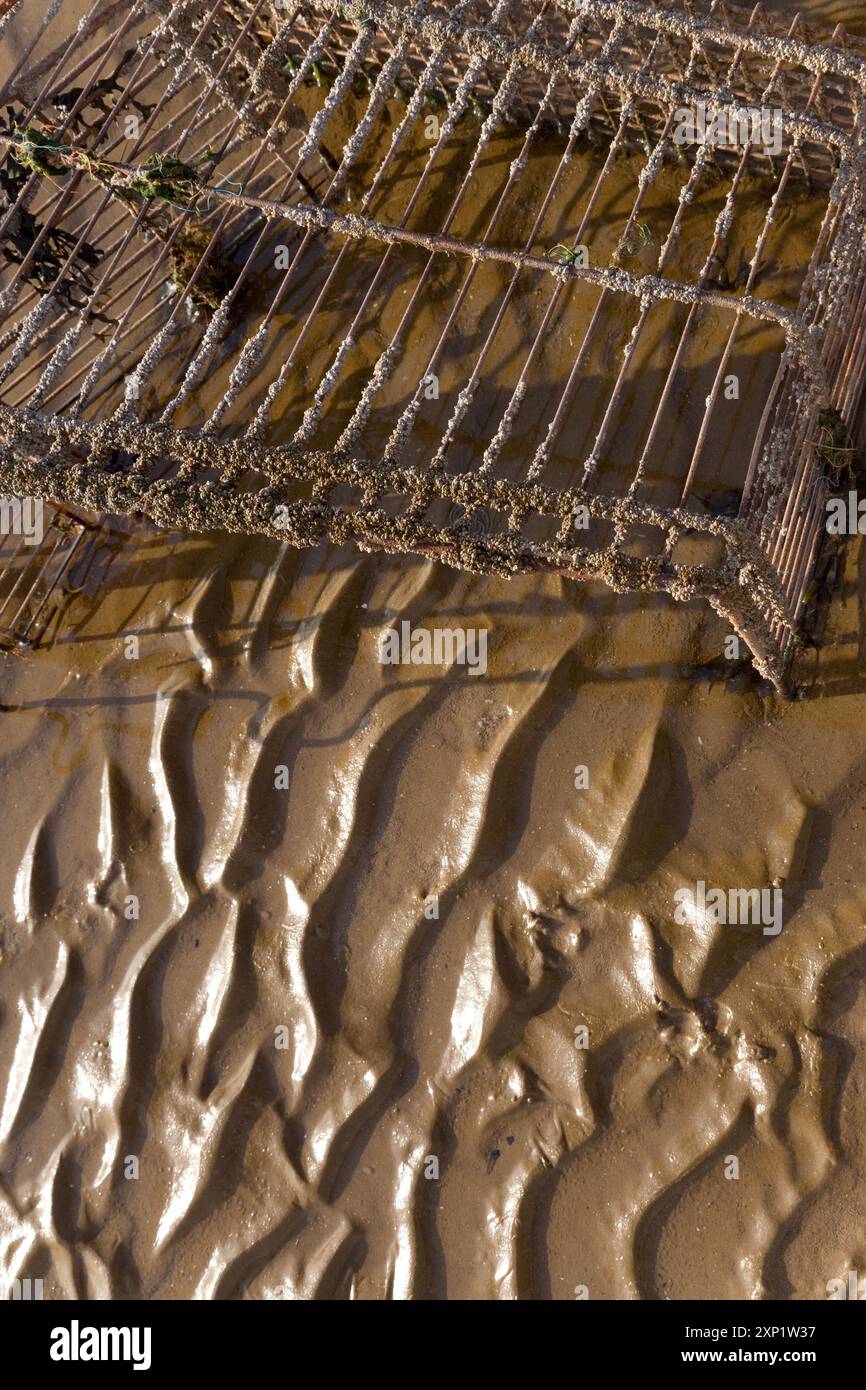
[242, 1056]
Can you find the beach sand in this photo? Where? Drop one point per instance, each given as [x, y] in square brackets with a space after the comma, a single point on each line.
[323, 979]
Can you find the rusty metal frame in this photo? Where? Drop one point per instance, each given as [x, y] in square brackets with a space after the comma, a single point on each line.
[229, 73]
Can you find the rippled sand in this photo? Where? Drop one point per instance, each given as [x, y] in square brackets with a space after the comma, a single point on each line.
[434, 1126]
[300, 1172]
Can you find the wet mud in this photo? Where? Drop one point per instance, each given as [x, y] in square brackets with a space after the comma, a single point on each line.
[323, 978]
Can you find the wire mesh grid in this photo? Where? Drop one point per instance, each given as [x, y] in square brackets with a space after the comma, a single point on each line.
[43, 568]
[455, 280]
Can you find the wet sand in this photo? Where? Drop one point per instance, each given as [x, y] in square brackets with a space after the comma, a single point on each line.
[434, 919]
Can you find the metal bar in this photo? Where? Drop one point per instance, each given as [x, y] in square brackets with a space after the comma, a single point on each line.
[578, 126]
